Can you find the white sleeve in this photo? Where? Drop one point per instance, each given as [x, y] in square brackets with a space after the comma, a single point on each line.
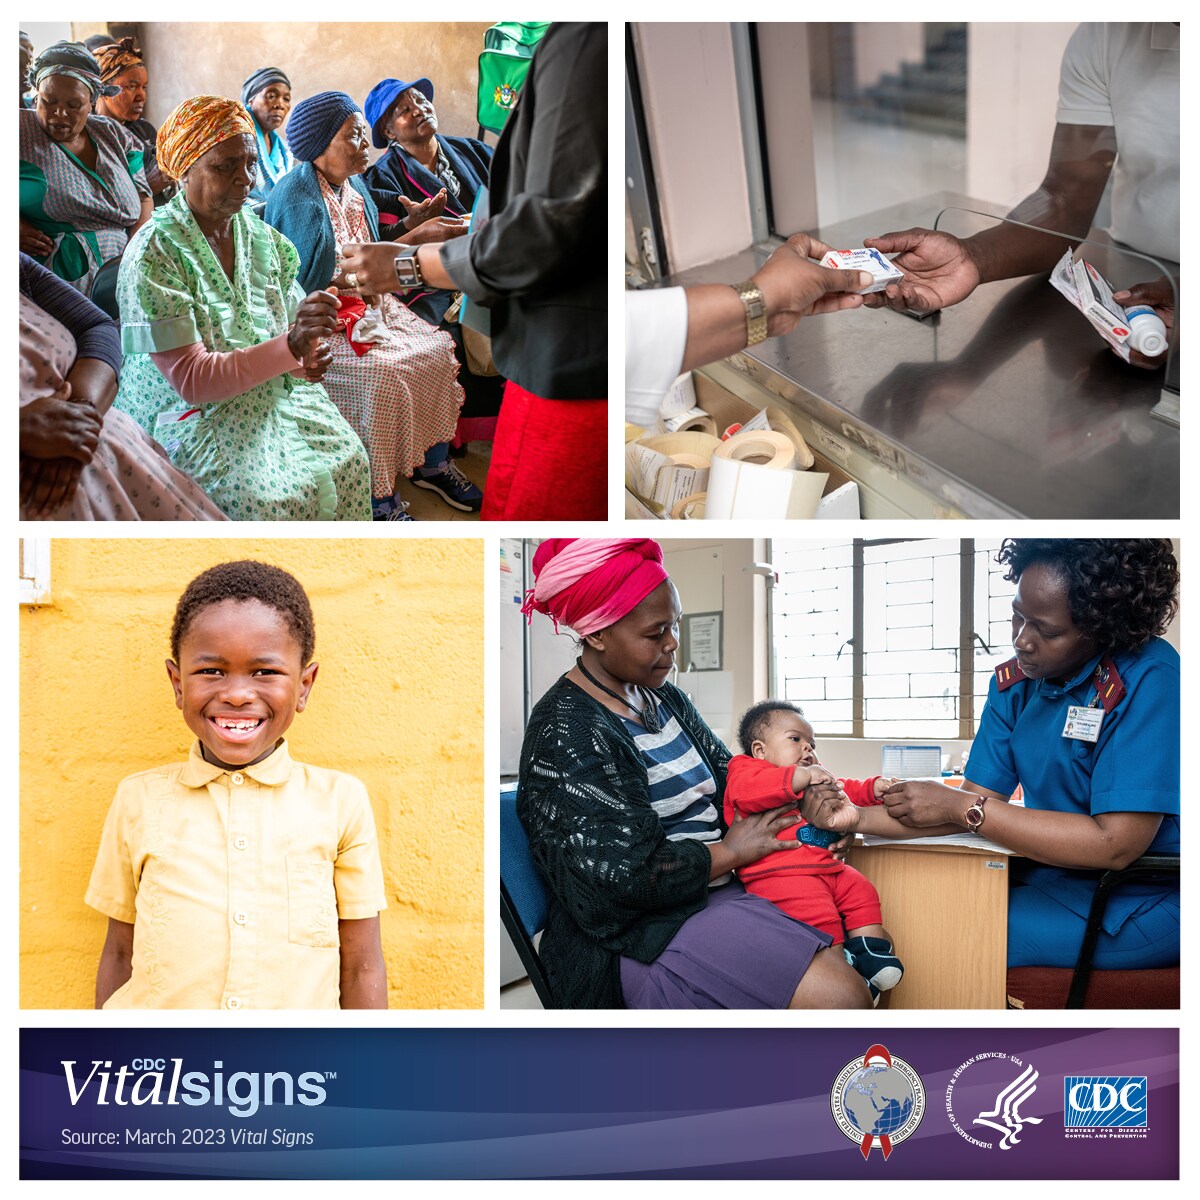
[655, 339]
[1083, 92]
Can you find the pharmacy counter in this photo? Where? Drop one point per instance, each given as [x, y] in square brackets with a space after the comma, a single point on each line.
[1007, 404]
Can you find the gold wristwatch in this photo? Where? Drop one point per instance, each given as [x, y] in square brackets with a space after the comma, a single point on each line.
[752, 300]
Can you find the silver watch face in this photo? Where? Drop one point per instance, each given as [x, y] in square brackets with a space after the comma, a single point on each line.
[408, 270]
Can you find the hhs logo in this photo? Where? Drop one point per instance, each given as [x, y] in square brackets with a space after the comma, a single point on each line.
[1105, 1102]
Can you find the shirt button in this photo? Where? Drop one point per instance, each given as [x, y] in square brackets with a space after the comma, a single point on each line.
[240, 843]
[233, 1002]
[238, 778]
[240, 918]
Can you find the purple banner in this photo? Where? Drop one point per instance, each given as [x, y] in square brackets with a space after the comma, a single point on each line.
[719, 1103]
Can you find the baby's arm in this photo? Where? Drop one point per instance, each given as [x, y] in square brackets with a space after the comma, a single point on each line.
[116, 960]
[363, 976]
[876, 820]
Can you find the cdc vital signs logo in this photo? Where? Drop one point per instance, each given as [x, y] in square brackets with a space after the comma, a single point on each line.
[877, 1100]
[1105, 1106]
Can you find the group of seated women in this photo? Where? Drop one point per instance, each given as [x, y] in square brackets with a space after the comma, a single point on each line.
[260, 385]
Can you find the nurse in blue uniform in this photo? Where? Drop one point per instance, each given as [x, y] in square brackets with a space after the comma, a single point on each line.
[1086, 718]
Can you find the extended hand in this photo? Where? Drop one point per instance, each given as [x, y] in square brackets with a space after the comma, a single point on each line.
[415, 213]
[1160, 296]
[794, 287]
[373, 265]
[316, 318]
[938, 271]
[754, 837]
[439, 229]
[59, 427]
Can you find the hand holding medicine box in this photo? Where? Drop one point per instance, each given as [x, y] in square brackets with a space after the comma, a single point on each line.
[1124, 329]
[880, 269]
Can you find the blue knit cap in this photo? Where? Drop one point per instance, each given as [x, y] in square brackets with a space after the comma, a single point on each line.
[380, 100]
[314, 122]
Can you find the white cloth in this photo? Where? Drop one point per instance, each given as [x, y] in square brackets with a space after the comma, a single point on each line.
[1127, 76]
[655, 339]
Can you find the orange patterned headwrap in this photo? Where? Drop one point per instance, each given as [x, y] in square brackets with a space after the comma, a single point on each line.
[114, 60]
[195, 127]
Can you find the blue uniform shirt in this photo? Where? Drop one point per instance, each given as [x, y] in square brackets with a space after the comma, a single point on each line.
[1133, 766]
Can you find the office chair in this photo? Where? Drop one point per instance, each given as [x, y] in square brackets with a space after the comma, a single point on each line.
[1085, 986]
[522, 895]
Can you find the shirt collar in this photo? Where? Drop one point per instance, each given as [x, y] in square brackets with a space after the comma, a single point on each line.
[1081, 677]
[271, 772]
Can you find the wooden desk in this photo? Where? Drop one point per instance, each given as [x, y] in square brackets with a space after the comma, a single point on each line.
[946, 908]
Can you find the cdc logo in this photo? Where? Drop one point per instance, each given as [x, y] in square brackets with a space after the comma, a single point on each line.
[1105, 1102]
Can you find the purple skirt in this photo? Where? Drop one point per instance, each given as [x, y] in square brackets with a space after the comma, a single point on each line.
[739, 951]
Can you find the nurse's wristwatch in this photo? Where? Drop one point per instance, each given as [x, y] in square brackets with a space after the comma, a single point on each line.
[750, 294]
[974, 815]
[408, 267]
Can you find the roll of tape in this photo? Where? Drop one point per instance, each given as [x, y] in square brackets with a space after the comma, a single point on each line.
[687, 459]
[760, 447]
[690, 508]
[692, 442]
[784, 424]
[702, 424]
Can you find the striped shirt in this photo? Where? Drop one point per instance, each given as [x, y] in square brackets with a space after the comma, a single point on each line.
[681, 785]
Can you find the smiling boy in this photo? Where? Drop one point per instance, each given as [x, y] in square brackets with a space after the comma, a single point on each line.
[241, 878]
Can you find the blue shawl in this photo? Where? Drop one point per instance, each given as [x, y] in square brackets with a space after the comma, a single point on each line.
[297, 209]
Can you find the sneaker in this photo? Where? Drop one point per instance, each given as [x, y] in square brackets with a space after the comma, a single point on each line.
[453, 487]
[390, 509]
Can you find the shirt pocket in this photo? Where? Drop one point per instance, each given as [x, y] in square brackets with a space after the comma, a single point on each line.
[312, 904]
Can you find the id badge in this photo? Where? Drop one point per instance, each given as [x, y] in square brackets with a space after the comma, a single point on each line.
[1083, 724]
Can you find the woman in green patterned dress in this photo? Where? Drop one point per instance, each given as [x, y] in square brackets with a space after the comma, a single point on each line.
[83, 190]
[223, 351]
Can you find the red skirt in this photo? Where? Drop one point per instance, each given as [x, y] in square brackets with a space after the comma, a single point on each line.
[549, 460]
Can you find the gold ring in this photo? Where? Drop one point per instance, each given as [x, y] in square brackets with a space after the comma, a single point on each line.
[352, 279]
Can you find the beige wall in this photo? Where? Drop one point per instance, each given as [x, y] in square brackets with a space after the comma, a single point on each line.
[687, 77]
[191, 58]
[1012, 95]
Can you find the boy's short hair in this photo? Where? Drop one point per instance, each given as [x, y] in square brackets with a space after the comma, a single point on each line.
[757, 719]
[248, 580]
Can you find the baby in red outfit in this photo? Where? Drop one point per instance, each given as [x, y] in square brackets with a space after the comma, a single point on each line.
[809, 883]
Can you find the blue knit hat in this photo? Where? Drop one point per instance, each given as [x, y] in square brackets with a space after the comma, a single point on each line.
[315, 121]
[380, 100]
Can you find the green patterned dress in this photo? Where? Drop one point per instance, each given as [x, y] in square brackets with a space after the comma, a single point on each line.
[280, 451]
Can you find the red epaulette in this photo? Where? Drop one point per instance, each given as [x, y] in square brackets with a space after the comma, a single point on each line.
[1108, 684]
[1008, 673]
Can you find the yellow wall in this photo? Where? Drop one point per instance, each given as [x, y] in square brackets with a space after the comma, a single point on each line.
[398, 702]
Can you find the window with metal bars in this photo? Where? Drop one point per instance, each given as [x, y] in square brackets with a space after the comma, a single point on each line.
[889, 638]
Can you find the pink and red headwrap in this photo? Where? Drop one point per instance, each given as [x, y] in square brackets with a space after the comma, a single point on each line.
[590, 583]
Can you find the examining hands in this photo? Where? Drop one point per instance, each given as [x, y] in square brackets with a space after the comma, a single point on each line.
[918, 802]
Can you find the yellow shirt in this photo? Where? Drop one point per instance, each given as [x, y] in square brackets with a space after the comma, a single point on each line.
[234, 881]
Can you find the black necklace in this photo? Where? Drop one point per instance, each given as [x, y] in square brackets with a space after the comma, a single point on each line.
[649, 710]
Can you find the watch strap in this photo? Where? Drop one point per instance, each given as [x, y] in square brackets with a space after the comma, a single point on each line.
[750, 294]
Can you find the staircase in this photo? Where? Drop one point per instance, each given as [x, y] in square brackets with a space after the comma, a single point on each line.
[929, 95]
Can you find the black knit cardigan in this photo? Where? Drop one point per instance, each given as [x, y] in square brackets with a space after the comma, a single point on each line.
[616, 884]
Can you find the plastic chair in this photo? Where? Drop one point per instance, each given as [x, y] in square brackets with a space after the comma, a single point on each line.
[104, 289]
[522, 894]
[1089, 987]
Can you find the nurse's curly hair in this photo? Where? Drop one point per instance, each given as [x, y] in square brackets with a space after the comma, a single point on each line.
[248, 580]
[1121, 591]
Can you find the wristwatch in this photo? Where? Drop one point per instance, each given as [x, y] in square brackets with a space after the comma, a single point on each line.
[408, 268]
[975, 814]
[750, 294]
